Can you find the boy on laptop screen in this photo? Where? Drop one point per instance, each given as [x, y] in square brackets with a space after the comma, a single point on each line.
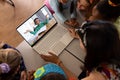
[36, 26]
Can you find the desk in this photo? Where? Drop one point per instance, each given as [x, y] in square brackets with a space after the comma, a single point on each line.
[33, 60]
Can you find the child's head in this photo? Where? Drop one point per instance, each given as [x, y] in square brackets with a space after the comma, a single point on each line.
[11, 58]
[49, 72]
[53, 76]
[101, 42]
[86, 6]
[107, 10]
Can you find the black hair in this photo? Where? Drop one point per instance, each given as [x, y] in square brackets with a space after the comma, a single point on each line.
[102, 44]
[54, 76]
[107, 11]
[35, 20]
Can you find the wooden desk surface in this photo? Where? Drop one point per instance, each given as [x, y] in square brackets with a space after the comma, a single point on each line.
[11, 17]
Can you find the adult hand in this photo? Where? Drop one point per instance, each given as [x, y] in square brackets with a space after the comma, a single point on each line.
[50, 58]
[73, 33]
[23, 75]
[72, 23]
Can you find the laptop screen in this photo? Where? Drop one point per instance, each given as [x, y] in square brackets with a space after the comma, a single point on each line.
[35, 27]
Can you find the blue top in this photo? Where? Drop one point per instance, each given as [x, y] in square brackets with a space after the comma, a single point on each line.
[65, 14]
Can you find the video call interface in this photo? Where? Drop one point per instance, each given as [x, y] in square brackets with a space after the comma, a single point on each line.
[37, 25]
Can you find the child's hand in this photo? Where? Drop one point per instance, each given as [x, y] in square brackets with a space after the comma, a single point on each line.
[23, 75]
[30, 75]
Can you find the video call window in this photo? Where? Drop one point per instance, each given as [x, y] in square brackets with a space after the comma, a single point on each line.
[37, 25]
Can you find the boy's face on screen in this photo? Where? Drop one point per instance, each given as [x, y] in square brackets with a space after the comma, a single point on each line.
[37, 21]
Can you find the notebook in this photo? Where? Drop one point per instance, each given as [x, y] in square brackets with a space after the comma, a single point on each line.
[43, 33]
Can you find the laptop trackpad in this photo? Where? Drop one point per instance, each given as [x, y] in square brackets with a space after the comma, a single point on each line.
[59, 46]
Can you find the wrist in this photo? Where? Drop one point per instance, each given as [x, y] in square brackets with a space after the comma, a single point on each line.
[59, 62]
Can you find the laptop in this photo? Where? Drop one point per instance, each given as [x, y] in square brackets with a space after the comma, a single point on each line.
[43, 33]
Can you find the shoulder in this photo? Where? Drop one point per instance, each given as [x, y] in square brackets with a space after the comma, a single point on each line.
[117, 24]
[95, 75]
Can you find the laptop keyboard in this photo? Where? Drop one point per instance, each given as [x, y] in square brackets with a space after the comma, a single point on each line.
[55, 40]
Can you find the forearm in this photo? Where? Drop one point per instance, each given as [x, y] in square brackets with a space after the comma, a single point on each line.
[67, 71]
[55, 59]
